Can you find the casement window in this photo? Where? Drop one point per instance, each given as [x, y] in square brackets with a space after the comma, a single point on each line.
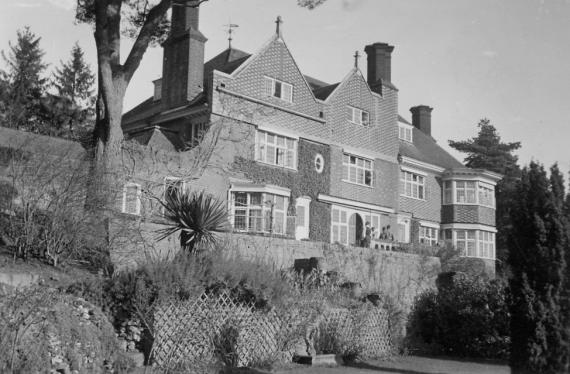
[466, 242]
[428, 235]
[412, 185]
[357, 170]
[339, 226]
[196, 134]
[276, 150]
[448, 192]
[486, 244]
[405, 133]
[260, 212]
[465, 192]
[358, 116]
[486, 195]
[132, 199]
[278, 89]
[469, 192]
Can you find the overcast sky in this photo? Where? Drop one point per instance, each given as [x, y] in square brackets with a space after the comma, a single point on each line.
[507, 60]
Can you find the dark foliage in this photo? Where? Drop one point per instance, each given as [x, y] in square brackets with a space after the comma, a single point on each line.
[538, 251]
[468, 317]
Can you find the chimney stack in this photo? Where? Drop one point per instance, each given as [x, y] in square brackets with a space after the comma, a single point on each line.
[421, 118]
[183, 59]
[379, 63]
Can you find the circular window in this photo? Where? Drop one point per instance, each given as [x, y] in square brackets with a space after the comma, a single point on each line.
[319, 163]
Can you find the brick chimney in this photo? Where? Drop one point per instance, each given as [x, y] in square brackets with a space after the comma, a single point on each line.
[421, 118]
[379, 63]
[183, 59]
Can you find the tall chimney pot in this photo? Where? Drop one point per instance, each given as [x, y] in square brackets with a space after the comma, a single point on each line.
[421, 118]
[379, 63]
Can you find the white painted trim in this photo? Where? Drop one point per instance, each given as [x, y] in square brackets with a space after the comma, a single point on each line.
[353, 204]
[267, 188]
[433, 225]
[359, 153]
[277, 131]
[421, 164]
[463, 177]
[468, 226]
[413, 170]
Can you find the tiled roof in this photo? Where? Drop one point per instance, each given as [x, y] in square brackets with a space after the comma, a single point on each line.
[158, 138]
[226, 62]
[324, 92]
[147, 108]
[403, 120]
[315, 83]
[424, 148]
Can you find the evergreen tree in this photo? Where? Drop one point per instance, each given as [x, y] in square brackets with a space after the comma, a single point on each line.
[24, 80]
[487, 151]
[538, 243]
[74, 80]
[68, 112]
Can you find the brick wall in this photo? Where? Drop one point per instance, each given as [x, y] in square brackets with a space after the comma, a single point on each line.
[385, 189]
[468, 214]
[428, 209]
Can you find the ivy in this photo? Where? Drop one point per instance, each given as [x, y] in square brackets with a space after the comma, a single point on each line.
[305, 181]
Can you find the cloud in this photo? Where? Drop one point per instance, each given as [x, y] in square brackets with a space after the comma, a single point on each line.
[26, 5]
[489, 53]
[64, 4]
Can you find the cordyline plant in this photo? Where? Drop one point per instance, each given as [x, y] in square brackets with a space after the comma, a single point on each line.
[196, 215]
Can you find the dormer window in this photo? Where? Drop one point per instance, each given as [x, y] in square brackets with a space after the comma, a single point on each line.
[405, 132]
[358, 116]
[278, 89]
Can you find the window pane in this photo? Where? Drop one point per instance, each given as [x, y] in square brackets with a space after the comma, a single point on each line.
[240, 198]
[277, 92]
[335, 215]
[279, 202]
[256, 198]
[343, 217]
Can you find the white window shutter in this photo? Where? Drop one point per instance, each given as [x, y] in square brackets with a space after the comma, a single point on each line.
[287, 92]
[268, 86]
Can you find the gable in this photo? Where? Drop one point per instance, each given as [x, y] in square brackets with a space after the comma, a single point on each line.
[275, 61]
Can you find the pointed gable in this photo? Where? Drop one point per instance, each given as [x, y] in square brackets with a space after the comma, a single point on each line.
[274, 62]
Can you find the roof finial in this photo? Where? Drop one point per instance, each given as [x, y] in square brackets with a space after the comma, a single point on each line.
[278, 22]
[356, 57]
[231, 26]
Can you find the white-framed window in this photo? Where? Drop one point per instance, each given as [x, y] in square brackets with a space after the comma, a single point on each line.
[412, 185]
[469, 192]
[279, 89]
[132, 198]
[357, 170]
[405, 133]
[466, 242]
[196, 134]
[339, 226]
[428, 235]
[448, 192]
[358, 116]
[465, 192]
[374, 220]
[259, 212]
[486, 195]
[486, 244]
[276, 150]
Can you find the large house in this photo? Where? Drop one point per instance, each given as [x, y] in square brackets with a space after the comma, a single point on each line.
[301, 158]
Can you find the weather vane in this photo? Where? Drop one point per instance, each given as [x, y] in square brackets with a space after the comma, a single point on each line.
[231, 26]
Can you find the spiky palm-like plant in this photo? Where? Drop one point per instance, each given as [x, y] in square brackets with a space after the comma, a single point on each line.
[196, 215]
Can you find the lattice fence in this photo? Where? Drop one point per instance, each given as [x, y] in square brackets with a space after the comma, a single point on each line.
[188, 331]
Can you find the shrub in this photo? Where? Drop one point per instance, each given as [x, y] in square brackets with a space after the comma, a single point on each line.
[467, 316]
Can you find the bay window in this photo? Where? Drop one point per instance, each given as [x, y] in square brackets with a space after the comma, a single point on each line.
[428, 235]
[468, 192]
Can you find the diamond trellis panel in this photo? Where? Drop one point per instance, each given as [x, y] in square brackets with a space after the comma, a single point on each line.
[186, 330]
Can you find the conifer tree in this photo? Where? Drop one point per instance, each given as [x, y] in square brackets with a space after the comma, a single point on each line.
[74, 79]
[538, 243]
[487, 151]
[24, 80]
